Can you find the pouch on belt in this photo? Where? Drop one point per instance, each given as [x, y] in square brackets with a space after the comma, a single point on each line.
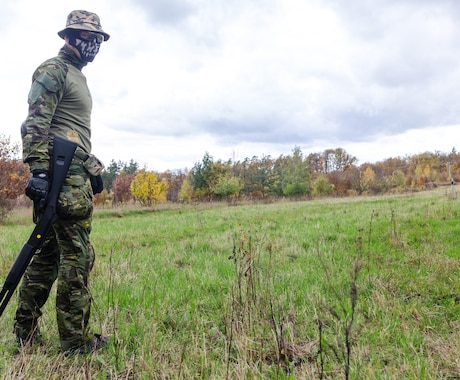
[93, 165]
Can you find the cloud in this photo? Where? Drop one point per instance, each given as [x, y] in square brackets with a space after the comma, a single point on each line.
[179, 78]
[166, 11]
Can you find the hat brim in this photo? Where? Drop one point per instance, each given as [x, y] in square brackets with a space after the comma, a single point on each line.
[88, 27]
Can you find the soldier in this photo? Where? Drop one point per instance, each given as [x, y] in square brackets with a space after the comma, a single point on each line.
[60, 104]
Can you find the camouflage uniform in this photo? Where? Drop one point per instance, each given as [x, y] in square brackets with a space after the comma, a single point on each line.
[60, 104]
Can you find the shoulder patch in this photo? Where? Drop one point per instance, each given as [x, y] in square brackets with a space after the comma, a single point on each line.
[49, 82]
[49, 77]
[51, 74]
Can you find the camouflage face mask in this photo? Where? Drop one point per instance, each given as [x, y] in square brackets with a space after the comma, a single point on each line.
[88, 48]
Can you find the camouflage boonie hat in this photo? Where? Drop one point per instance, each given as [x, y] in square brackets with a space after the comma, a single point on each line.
[84, 20]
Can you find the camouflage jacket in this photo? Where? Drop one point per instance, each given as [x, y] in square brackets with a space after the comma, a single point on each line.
[60, 104]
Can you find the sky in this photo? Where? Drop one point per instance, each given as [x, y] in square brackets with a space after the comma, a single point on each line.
[244, 78]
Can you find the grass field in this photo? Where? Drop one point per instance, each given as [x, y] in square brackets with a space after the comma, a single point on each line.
[358, 288]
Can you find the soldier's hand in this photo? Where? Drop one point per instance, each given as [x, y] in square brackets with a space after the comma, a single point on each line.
[38, 185]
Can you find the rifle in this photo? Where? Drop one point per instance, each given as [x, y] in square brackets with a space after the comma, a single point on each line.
[63, 151]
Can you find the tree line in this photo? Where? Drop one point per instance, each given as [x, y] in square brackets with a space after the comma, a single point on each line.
[332, 172]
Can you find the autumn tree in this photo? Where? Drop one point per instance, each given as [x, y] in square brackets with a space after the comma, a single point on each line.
[227, 186]
[453, 166]
[337, 160]
[345, 182]
[397, 180]
[147, 189]
[366, 180]
[103, 198]
[186, 191]
[388, 166]
[322, 186]
[316, 164]
[175, 180]
[14, 175]
[121, 186]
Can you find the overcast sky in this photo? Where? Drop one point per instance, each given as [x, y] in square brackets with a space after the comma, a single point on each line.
[244, 78]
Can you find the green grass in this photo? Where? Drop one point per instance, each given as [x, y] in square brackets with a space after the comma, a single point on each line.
[334, 288]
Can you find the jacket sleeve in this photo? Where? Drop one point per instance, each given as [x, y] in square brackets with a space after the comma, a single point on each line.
[44, 96]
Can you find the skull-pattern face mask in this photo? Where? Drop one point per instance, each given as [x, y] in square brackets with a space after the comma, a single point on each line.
[87, 43]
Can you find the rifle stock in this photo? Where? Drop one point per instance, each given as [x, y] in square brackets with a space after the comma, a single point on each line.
[63, 151]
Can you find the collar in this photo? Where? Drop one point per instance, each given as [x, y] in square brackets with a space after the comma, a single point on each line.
[69, 56]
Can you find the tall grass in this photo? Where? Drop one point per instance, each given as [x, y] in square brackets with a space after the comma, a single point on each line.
[335, 288]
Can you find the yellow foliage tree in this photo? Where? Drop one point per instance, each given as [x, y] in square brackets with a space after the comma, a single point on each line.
[147, 189]
[186, 191]
[366, 179]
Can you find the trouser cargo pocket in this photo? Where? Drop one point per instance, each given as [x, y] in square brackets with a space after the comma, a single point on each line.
[75, 201]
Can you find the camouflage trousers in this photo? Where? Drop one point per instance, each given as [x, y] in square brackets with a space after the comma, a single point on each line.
[68, 257]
